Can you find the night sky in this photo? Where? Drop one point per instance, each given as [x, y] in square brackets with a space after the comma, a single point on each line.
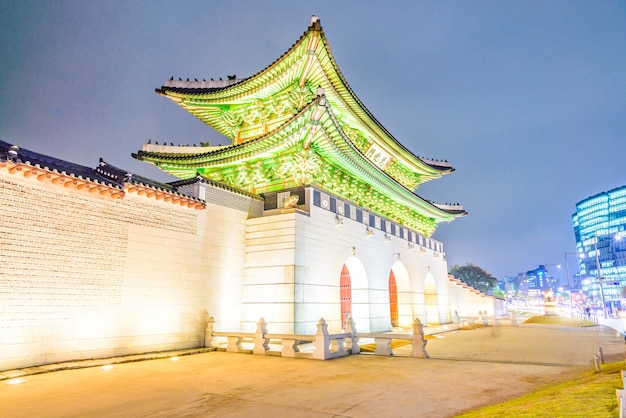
[526, 99]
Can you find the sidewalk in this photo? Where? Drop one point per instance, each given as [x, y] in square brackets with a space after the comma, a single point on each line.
[467, 369]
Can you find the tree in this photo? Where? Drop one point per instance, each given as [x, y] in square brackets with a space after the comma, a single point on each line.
[474, 276]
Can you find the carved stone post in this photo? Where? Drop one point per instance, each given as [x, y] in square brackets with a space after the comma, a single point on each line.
[353, 345]
[322, 341]
[418, 342]
[261, 344]
[208, 333]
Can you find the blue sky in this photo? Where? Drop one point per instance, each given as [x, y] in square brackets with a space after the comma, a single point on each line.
[526, 99]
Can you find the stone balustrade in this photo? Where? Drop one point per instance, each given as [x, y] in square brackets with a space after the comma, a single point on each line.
[325, 345]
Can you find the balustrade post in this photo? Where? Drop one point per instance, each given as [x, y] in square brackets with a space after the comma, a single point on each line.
[418, 342]
[383, 346]
[322, 341]
[338, 346]
[353, 345]
[208, 333]
[261, 344]
[290, 347]
[234, 344]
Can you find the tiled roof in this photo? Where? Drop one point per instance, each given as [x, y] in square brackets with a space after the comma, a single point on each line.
[200, 88]
[121, 176]
[15, 154]
[104, 174]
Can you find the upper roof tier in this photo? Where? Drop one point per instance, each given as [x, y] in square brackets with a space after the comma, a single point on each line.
[298, 122]
[243, 109]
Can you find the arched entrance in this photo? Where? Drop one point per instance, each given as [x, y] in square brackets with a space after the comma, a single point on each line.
[345, 296]
[402, 312]
[393, 300]
[354, 294]
[431, 299]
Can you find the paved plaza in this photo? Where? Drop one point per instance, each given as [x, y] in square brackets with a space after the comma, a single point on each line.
[467, 369]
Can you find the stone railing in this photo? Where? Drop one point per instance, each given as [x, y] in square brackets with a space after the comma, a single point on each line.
[383, 341]
[325, 345]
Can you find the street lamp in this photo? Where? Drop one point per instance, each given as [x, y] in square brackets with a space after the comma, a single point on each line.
[595, 246]
[571, 308]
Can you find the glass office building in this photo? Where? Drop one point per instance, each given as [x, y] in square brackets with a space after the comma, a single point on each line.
[600, 229]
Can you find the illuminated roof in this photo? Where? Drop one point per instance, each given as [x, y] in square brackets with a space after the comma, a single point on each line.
[298, 122]
[242, 109]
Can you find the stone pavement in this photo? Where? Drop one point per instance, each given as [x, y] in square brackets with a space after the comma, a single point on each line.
[467, 369]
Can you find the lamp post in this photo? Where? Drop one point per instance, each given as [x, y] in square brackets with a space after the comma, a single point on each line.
[595, 246]
[571, 308]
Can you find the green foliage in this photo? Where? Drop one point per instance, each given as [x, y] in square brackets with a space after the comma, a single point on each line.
[591, 394]
[498, 293]
[559, 320]
[474, 276]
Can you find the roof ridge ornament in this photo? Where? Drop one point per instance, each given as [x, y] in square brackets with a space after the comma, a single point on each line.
[314, 20]
[12, 154]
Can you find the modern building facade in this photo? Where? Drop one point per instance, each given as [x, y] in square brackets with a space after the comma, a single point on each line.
[600, 230]
[540, 280]
[310, 213]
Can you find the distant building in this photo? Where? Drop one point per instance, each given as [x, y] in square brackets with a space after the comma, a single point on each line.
[511, 286]
[599, 226]
[538, 281]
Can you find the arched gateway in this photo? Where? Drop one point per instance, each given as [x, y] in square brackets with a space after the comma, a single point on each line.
[302, 141]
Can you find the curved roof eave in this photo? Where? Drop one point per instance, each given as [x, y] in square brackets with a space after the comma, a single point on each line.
[254, 82]
[340, 150]
[229, 152]
[352, 156]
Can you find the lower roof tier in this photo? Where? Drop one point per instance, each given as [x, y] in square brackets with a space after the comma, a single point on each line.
[309, 149]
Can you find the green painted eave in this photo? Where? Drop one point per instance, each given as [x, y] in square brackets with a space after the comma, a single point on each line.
[308, 64]
[316, 129]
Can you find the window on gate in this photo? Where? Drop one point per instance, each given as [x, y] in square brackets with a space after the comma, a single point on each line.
[393, 299]
[345, 294]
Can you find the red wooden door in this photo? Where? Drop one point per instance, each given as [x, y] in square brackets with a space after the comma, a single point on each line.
[345, 295]
[393, 299]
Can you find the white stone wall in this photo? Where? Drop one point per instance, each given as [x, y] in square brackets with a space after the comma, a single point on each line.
[84, 277]
[268, 289]
[293, 266]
